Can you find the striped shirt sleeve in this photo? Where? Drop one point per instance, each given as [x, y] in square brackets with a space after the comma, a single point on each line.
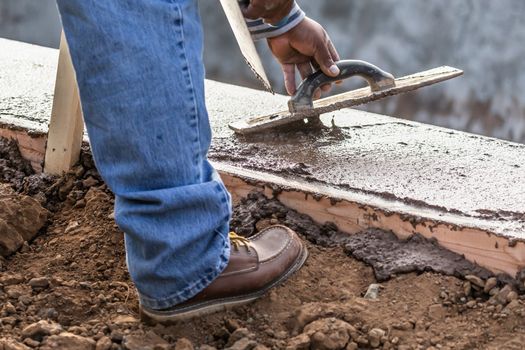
[261, 30]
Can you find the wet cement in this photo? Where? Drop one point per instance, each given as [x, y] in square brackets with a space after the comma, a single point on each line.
[390, 256]
[404, 162]
[382, 250]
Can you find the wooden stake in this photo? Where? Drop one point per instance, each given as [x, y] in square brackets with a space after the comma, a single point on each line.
[66, 126]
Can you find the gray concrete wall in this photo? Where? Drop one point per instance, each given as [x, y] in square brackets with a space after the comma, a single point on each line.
[483, 37]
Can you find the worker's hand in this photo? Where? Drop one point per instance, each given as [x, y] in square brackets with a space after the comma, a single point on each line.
[272, 11]
[306, 46]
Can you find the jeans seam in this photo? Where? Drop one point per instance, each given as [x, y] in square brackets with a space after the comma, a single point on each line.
[193, 97]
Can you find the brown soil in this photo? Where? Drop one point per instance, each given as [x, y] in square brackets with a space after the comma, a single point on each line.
[73, 275]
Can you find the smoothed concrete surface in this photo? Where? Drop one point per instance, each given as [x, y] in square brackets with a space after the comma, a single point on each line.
[27, 80]
[400, 161]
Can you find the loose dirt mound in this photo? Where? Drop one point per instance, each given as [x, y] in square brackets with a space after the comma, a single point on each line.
[69, 289]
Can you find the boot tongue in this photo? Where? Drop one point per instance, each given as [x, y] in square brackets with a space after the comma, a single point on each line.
[238, 241]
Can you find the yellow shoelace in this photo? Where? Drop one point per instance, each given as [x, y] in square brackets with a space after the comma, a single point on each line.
[237, 241]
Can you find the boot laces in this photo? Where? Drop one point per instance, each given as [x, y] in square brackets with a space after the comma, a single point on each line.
[238, 241]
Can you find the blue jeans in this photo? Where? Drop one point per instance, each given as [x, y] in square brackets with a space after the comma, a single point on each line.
[141, 80]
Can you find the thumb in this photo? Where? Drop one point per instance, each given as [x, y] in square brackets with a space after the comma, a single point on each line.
[325, 61]
[289, 78]
[251, 11]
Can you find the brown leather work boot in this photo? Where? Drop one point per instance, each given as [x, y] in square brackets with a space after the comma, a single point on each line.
[256, 265]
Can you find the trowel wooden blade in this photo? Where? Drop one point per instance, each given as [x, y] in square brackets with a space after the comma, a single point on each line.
[346, 100]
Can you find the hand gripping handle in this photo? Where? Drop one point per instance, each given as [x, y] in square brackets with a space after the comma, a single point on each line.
[377, 78]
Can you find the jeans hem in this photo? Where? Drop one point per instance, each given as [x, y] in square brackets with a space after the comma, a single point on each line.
[190, 291]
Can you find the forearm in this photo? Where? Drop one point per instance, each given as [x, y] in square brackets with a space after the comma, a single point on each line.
[271, 18]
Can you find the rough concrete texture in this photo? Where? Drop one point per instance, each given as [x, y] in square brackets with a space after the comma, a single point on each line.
[21, 217]
[402, 162]
[390, 256]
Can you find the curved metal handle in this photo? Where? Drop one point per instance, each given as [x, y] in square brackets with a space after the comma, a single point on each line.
[377, 78]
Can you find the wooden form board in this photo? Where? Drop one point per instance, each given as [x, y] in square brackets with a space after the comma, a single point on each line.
[354, 213]
[66, 125]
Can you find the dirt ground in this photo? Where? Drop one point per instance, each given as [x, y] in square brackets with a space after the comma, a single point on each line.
[68, 288]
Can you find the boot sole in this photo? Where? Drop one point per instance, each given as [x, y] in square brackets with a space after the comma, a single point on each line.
[205, 308]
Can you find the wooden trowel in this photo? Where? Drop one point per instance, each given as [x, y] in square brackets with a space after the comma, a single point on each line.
[380, 84]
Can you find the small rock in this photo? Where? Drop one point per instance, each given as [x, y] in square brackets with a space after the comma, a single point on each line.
[67, 341]
[10, 344]
[262, 224]
[352, 346]
[329, 334]
[467, 288]
[512, 296]
[471, 304]
[243, 344]
[65, 188]
[184, 344]
[494, 291]
[90, 182]
[238, 334]
[475, 280]
[301, 342]
[490, 284]
[104, 343]
[372, 291]
[374, 337]
[437, 312]
[21, 218]
[260, 347]
[281, 335]
[9, 280]
[501, 297]
[39, 283]
[231, 325]
[31, 343]
[513, 307]
[207, 347]
[138, 341]
[41, 329]
[125, 320]
[71, 227]
[9, 309]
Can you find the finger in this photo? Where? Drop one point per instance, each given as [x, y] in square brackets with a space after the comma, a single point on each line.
[333, 51]
[315, 65]
[305, 69]
[326, 87]
[324, 58]
[289, 78]
[252, 11]
[317, 94]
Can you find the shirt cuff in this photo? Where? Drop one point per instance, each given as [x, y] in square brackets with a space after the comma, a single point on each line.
[261, 30]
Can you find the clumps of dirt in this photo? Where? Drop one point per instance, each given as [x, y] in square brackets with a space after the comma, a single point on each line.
[13, 168]
[21, 218]
[69, 289]
[257, 212]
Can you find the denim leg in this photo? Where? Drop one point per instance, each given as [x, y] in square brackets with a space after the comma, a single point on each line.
[141, 81]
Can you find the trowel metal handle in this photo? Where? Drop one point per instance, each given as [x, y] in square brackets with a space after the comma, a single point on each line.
[377, 78]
